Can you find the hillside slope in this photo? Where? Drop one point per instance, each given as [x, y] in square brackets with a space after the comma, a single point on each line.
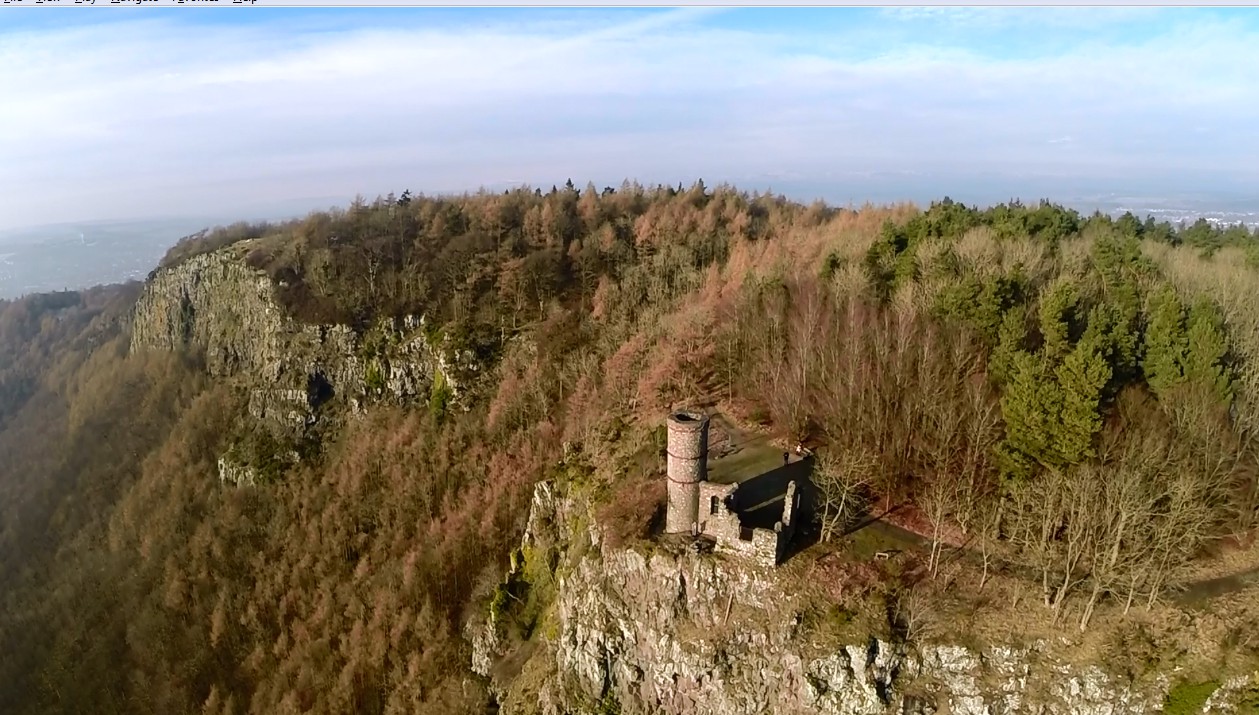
[288, 473]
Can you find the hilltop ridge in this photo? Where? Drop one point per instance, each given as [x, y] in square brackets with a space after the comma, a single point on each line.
[293, 470]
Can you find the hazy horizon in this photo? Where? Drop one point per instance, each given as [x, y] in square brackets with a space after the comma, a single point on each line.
[79, 254]
[879, 188]
[139, 125]
[154, 112]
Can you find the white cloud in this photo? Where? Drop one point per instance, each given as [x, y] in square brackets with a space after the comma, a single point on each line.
[145, 118]
[1043, 17]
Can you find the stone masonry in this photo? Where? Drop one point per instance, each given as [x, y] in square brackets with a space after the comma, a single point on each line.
[720, 512]
[687, 466]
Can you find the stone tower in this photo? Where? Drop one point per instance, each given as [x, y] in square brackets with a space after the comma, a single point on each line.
[687, 467]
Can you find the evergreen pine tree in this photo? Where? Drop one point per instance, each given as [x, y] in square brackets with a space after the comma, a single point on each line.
[1207, 351]
[1110, 330]
[1030, 404]
[1082, 377]
[1056, 309]
[1165, 343]
[1010, 338]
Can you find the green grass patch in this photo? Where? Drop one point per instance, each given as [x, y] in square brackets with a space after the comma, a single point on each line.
[876, 537]
[750, 461]
[1188, 698]
[826, 619]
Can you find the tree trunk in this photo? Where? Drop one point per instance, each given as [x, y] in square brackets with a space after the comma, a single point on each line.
[1088, 610]
[1061, 594]
[933, 564]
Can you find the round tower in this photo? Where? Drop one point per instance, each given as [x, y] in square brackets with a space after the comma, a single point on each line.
[687, 467]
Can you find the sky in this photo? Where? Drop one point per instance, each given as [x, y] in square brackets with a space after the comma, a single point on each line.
[131, 113]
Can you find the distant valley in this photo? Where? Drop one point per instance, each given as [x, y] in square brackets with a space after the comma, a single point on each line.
[79, 255]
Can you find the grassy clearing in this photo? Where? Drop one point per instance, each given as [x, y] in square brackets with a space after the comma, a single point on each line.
[879, 537]
[751, 460]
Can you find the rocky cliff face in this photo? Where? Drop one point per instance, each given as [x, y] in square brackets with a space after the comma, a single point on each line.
[695, 633]
[217, 304]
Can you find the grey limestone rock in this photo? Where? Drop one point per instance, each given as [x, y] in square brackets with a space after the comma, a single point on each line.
[650, 634]
[217, 304]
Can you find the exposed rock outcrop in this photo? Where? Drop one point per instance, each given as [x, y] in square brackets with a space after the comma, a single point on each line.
[237, 474]
[215, 303]
[694, 633]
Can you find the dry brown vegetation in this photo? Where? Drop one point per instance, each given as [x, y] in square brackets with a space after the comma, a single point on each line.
[1020, 374]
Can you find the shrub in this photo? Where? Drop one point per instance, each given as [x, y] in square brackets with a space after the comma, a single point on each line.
[439, 395]
[632, 511]
[374, 380]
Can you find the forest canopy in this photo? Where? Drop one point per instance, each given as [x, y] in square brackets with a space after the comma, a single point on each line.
[1080, 393]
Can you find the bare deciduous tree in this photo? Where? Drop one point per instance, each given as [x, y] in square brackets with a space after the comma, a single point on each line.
[842, 478]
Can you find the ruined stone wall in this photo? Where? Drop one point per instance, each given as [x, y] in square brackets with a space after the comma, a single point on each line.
[785, 530]
[286, 410]
[759, 546]
[687, 466]
[236, 474]
[716, 520]
[721, 523]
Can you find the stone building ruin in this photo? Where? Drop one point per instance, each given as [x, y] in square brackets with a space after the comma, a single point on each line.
[755, 519]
